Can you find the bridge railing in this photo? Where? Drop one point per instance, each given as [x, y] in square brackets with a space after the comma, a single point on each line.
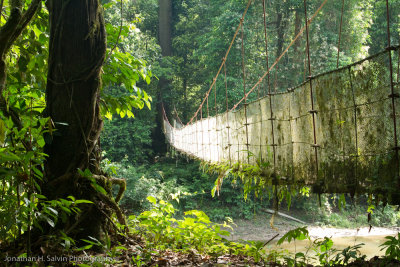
[354, 122]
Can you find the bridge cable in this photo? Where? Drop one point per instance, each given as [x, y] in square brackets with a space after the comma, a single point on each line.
[355, 133]
[216, 119]
[202, 132]
[312, 111]
[393, 96]
[177, 116]
[340, 34]
[398, 65]
[227, 116]
[269, 87]
[280, 57]
[197, 137]
[209, 129]
[245, 100]
[266, 46]
[337, 66]
[224, 59]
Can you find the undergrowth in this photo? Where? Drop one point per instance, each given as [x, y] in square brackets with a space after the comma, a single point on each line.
[171, 179]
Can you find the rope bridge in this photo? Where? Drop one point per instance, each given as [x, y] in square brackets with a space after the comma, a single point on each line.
[337, 131]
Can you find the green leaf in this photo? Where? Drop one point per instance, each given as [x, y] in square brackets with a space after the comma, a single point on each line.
[152, 199]
[99, 188]
[40, 196]
[8, 156]
[108, 115]
[71, 197]
[49, 221]
[53, 210]
[41, 142]
[81, 201]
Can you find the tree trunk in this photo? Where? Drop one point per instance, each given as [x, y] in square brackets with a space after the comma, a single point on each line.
[297, 27]
[76, 55]
[165, 27]
[165, 41]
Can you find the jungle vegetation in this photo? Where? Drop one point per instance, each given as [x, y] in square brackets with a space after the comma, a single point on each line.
[82, 86]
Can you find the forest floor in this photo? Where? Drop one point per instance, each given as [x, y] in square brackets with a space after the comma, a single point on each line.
[257, 229]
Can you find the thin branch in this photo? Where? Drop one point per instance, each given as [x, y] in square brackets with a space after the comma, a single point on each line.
[9, 27]
[122, 187]
[1, 6]
[25, 19]
[119, 36]
[113, 205]
[10, 113]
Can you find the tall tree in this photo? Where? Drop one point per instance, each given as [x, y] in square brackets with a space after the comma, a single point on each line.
[165, 41]
[165, 27]
[77, 53]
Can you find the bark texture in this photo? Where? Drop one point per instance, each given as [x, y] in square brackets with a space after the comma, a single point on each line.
[165, 26]
[77, 51]
[165, 41]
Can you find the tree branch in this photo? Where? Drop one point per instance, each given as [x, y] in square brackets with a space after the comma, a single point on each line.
[122, 187]
[9, 27]
[114, 206]
[1, 7]
[25, 19]
[10, 113]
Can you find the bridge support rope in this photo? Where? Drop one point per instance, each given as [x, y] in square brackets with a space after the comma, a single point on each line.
[312, 111]
[341, 147]
[393, 95]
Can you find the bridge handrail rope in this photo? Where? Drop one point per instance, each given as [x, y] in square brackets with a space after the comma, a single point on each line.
[264, 75]
[223, 61]
[294, 88]
[291, 89]
[353, 116]
[280, 57]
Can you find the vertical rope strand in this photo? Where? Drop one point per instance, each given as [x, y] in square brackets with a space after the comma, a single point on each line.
[269, 88]
[216, 120]
[340, 34]
[197, 139]
[393, 95]
[291, 137]
[227, 114]
[398, 66]
[266, 48]
[245, 96]
[202, 132]
[355, 131]
[313, 112]
[208, 127]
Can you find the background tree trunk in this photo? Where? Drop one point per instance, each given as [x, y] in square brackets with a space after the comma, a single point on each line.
[165, 41]
[77, 51]
[165, 27]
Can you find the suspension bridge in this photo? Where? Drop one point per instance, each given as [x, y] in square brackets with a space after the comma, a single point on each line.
[337, 131]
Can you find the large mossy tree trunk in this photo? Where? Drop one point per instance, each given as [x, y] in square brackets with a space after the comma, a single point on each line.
[76, 55]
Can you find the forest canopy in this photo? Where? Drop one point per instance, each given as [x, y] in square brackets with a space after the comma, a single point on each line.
[84, 85]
